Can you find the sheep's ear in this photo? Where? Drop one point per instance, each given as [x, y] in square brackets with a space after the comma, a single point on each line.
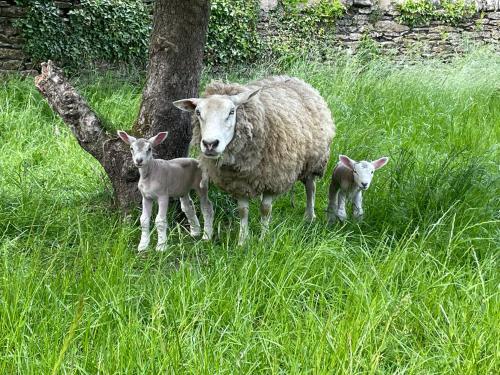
[128, 139]
[188, 105]
[243, 97]
[347, 161]
[379, 163]
[158, 138]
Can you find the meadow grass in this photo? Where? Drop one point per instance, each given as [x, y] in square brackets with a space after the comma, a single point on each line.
[412, 289]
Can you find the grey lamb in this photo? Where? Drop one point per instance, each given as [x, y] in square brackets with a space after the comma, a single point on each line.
[164, 179]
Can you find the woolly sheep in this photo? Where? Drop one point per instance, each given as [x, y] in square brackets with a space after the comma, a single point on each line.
[164, 179]
[350, 178]
[258, 139]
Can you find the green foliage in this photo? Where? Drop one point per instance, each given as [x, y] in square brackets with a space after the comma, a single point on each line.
[422, 12]
[303, 30]
[411, 290]
[232, 32]
[96, 30]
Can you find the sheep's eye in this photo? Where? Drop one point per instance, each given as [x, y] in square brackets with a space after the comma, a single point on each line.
[231, 112]
[197, 112]
[372, 172]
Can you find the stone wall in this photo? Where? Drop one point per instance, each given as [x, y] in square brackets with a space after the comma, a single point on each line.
[12, 57]
[377, 19]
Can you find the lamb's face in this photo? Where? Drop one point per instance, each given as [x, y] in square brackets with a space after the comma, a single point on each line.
[217, 117]
[363, 170]
[363, 174]
[142, 149]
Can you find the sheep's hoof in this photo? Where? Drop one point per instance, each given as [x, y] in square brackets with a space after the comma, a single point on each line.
[342, 216]
[358, 218]
[206, 237]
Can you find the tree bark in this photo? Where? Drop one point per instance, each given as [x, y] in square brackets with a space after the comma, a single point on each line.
[175, 63]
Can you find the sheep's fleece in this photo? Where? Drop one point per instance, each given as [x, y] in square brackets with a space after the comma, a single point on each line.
[282, 135]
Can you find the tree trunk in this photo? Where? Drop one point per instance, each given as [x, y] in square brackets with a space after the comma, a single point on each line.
[175, 63]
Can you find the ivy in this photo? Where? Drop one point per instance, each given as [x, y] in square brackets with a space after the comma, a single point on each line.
[232, 32]
[101, 30]
[422, 12]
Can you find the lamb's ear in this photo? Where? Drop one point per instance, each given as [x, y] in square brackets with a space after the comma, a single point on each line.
[243, 97]
[128, 139]
[188, 105]
[379, 163]
[347, 161]
[158, 138]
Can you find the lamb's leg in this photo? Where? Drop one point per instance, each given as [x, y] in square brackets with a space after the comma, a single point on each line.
[333, 196]
[207, 210]
[358, 206]
[266, 206]
[161, 223]
[310, 185]
[147, 205]
[187, 207]
[243, 211]
[341, 214]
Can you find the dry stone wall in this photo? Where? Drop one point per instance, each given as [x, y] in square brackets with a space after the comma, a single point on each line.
[377, 19]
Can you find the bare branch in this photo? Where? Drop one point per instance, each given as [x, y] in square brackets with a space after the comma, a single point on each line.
[73, 109]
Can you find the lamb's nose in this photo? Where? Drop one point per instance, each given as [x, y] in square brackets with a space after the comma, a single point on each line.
[210, 145]
[365, 184]
[138, 160]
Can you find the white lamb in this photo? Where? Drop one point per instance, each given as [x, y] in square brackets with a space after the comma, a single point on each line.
[350, 178]
[164, 179]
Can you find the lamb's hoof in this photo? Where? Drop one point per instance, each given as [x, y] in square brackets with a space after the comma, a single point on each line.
[195, 233]
[309, 217]
[342, 218]
[142, 247]
[161, 247]
[206, 237]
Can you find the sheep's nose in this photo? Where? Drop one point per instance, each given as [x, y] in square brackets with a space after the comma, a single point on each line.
[138, 160]
[210, 145]
[365, 184]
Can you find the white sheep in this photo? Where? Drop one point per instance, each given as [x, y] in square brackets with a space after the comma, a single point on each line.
[350, 178]
[258, 139]
[161, 180]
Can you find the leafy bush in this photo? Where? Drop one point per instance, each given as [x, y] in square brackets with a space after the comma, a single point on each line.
[232, 33]
[422, 12]
[99, 30]
[303, 30]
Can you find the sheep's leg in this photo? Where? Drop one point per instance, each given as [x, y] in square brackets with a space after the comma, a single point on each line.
[243, 205]
[207, 210]
[187, 207]
[341, 214]
[310, 185]
[358, 206]
[147, 205]
[333, 197]
[266, 206]
[161, 223]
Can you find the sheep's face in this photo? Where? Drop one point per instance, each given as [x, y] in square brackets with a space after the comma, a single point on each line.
[363, 170]
[141, 148]
[217, 117]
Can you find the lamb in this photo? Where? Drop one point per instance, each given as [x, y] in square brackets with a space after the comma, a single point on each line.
[350, 178]
[258, 139]
[164, 179]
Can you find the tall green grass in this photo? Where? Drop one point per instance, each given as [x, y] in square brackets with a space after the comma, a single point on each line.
[413, 289]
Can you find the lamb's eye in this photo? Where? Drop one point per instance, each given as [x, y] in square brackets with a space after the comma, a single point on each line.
[231, 112]
[198, 112]
[372, 172]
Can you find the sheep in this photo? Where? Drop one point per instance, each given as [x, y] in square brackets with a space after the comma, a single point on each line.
[349, 179]
[163, 179]
[258, 139]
